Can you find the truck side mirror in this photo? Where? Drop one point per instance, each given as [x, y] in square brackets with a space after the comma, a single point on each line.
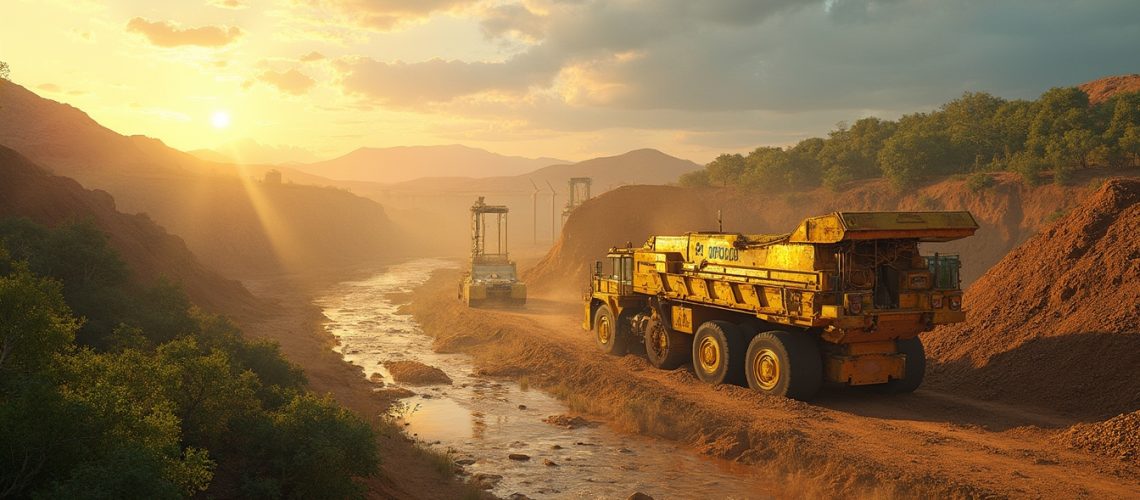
[597, 267]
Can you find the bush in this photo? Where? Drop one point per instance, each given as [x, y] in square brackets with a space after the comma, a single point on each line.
[980, 181]
[1029, 166]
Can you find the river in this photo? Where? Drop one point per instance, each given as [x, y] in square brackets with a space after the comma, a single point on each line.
[482, 421]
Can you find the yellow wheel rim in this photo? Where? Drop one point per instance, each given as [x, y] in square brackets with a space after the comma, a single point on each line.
[766, 366]
[659, 341]
[604, 331]
[708, 355]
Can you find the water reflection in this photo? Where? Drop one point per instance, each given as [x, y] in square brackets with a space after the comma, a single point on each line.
[485, 421]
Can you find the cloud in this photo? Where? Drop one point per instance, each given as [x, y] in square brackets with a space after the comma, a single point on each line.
[379, 15]
[228, 4]
[412, 85]
[166, 34]
[513, 20]
[290, 82]
[736, 74]
[312, 56]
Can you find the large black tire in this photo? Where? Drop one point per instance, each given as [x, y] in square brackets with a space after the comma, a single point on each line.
[611, 336]
[666, 348]
[718, 353]
[915, 368]
[784, 364]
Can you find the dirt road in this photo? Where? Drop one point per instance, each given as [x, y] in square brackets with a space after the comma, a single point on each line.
[847, 442]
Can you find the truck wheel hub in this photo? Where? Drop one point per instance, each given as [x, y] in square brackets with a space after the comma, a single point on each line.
[604, 331]
[766, 365]
[709, 355]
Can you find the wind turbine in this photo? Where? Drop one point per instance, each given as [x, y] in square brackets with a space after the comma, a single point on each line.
[534, 205]
[553, 212]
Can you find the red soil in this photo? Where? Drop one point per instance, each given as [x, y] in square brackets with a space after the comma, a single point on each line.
[1056, 323]
[1103, 89]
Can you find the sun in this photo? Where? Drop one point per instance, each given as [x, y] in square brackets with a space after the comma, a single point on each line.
[220, 119]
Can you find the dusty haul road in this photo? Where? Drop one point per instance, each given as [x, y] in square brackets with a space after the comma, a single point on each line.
[847, 442]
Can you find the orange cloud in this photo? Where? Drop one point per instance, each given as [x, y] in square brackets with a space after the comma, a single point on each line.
[291, 82]
[165, 34]
[382, 15]
[312, 56]
[228, 4]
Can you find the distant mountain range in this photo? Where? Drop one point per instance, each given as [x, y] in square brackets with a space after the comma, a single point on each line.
[229, 218]
[404, 163]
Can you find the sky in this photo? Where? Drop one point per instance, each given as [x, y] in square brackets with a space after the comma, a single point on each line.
[571, 79]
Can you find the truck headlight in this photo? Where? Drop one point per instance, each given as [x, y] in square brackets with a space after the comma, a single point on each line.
[936, 301]
[955, 302]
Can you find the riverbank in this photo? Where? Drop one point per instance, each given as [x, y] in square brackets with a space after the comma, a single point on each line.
[846, 443]
[406, 471]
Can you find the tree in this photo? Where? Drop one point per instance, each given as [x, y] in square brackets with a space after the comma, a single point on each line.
[919, 148]
[318, 448]
[726, 169]
[35, 323]
[5, 71]
[856, 149]
[696, 178]
[971, 127]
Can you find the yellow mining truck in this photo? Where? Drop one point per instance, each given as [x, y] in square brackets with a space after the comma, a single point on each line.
[840, 299]
[493, 277]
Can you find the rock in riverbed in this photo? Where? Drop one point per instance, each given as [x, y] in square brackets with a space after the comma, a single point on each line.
[416, 373]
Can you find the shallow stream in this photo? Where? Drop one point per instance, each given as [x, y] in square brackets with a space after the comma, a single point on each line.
[484, 420]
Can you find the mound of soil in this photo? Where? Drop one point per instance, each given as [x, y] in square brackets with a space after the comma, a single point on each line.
[1118, 437]
[1103, 89]
[1056, 323]
[416, 373]
[26, 190]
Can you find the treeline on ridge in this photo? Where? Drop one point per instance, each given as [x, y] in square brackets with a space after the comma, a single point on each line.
[974, 134]
[113, 390]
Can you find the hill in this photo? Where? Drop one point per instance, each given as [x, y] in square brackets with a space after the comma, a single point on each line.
[444, 201]
[1009, 212]
[26, 190]
[1056, 323]
[1103, 89]
[235, 224]
[404, 163]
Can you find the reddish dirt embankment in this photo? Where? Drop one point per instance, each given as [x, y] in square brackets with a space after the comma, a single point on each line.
[1008, 213]
[26, 190]
[1103, 89]
[1056, 323]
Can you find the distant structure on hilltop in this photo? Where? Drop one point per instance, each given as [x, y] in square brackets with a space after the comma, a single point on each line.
[579, 193]
[273, 176]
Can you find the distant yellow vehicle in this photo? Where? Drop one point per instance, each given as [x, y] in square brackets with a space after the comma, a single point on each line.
[492, 277]
[840, 299]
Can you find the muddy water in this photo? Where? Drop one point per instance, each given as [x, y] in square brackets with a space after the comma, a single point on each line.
[486, 420]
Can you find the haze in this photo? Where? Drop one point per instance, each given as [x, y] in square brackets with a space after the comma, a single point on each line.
[311, 80]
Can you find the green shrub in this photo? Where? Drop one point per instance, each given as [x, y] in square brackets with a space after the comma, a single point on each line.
[980, 181]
